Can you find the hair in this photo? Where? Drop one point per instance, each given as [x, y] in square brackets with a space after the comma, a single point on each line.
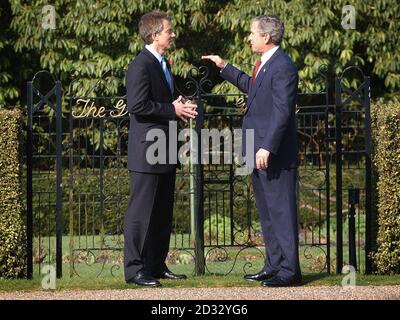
[151, 23]
[272, 25]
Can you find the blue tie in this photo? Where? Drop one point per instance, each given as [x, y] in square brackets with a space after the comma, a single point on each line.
[166, 73]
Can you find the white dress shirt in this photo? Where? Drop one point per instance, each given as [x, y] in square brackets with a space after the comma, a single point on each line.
[154, 52]
[266, 56]
[163, 64]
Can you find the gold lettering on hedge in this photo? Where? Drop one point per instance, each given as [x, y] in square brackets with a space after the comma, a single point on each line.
[87, 108]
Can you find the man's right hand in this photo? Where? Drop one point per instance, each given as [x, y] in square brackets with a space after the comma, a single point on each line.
[184, 110]
[216, 59]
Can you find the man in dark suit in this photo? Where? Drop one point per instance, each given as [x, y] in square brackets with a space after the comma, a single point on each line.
[272, 93]
[148, 219]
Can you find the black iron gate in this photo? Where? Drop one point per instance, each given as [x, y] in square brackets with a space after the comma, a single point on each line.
[353, 158]
[44, 172]
[215, 220]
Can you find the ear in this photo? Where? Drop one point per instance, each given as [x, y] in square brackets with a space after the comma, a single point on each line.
[267, 38]
[154, 36]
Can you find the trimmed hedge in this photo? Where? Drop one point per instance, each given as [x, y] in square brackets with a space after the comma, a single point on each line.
[12, 230]
[386, 125]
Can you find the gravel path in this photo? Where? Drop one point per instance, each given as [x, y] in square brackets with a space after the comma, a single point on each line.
[232, 293]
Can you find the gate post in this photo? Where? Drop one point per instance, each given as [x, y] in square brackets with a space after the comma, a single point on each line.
[369, 218]
[59, 146]
[29, 191]
[45, 99]
[364, 102]
[339, 212]
[354, 198]
[199, 193]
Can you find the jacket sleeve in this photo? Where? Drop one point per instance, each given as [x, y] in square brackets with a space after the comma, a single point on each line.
[237, 77]
[138, 98]
[284, 93]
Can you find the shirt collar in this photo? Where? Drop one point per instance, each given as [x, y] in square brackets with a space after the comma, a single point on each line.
[267, 55]
[158, 56]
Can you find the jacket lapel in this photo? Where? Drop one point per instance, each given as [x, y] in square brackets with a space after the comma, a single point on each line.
[260, 77]
[158, 68]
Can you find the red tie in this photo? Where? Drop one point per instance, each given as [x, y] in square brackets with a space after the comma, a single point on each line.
[255, 70]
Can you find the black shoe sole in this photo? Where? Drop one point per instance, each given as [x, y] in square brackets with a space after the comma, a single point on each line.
[280, 285]
[144, 285]
[253, 280]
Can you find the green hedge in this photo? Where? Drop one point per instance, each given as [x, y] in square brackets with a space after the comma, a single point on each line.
[386, 125]
[12, 230]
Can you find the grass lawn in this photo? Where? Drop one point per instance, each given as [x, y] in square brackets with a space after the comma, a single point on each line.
[233, 280]
[89, 279]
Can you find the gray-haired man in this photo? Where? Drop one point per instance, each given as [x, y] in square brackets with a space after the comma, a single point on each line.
[272, 93]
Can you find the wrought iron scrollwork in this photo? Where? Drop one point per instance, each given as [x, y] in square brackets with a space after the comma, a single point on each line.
[221, 254]
[198, 79]
[317, 262]
[98, 259]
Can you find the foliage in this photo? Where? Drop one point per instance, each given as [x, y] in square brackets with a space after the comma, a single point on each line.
[387, 162]
[217, 230]
[8, 91]
[84, 212]
[314, 36]
[12, 231]
[94, 37]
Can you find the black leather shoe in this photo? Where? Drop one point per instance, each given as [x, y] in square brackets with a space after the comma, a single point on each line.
[281, 282]
[260, 276]
[143, 280]
[171, 276]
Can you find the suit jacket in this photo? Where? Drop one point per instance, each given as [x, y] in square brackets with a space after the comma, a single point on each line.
[149, 102]
[271, 108]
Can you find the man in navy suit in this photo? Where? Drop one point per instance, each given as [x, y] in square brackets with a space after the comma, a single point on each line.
[149, 98]
[272, 93]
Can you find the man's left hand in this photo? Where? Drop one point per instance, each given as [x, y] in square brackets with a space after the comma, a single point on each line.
[262, 157]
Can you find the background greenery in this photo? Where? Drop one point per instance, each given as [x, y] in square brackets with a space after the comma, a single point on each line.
[95, 36]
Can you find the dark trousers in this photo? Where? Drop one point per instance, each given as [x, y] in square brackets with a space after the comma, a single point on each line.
[275, 192]
[148, 223]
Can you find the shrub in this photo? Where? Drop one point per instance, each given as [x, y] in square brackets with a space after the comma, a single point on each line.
[217, 230]
[386, 123]
[12, 230]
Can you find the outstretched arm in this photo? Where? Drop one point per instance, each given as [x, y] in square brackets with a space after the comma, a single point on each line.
[235, 76]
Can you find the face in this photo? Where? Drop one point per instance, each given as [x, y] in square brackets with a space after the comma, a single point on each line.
[165, 38]
[257, 40]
